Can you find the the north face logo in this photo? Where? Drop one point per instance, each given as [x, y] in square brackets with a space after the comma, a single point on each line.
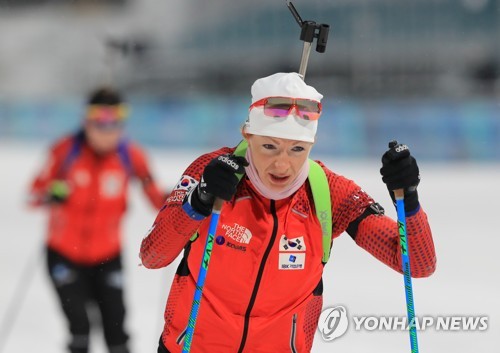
[237, 233]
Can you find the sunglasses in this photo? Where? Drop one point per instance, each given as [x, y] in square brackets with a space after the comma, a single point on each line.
[106, 126]
[107, 113]
[280, 107]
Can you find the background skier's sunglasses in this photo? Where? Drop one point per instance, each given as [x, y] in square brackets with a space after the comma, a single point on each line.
[280, 107]
[106, 113]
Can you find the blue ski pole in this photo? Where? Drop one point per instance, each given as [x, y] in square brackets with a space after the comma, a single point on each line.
[200, 282]
[400, 206]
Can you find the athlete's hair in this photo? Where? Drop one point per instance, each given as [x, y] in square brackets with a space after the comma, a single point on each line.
[105, 96]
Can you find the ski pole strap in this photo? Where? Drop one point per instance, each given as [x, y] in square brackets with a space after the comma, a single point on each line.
[321, 195]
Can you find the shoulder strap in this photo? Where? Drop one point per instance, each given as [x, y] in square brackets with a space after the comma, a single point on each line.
[73, 152]
[321, 196]
[123, 152]
[241, 151]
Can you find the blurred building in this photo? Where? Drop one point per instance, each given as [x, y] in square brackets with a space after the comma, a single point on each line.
[376, 47]
[426, 71]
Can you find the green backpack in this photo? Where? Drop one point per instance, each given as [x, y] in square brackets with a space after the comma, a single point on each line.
[321, 195]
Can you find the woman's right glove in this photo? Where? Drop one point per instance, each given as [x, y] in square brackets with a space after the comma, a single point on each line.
[400, 171]
[219, 180]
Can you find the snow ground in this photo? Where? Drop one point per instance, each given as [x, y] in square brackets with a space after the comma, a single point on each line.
[461, 201]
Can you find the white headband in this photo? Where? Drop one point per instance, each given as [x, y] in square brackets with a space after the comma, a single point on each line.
[292, 127]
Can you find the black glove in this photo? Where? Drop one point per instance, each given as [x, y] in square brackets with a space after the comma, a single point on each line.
[219, 180]
[58, 192]
[400, 171]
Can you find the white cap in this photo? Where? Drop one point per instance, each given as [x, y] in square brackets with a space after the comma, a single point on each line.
[292, 127]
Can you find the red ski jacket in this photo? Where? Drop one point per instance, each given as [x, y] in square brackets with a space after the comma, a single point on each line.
[263, 291]
[86, 227]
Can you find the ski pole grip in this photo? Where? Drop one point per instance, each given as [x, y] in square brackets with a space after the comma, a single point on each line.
[399, 194]
[217, 205]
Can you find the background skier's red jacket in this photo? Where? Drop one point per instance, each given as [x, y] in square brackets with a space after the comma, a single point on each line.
[263, 292]
[86, 227]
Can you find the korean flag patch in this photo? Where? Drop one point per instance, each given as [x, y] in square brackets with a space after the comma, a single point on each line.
[292, 244]
[186, 183]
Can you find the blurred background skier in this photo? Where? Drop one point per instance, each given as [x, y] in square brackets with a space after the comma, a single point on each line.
[84, 186]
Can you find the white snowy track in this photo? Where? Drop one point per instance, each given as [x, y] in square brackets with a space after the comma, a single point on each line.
[461, 201]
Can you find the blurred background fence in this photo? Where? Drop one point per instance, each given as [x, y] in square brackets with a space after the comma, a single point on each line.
[426, 72]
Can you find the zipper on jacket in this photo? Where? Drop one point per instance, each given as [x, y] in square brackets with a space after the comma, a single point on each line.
[292, 335]
[259, 276]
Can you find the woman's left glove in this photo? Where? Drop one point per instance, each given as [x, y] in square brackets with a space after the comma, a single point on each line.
[400, 171]
[58, 192]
